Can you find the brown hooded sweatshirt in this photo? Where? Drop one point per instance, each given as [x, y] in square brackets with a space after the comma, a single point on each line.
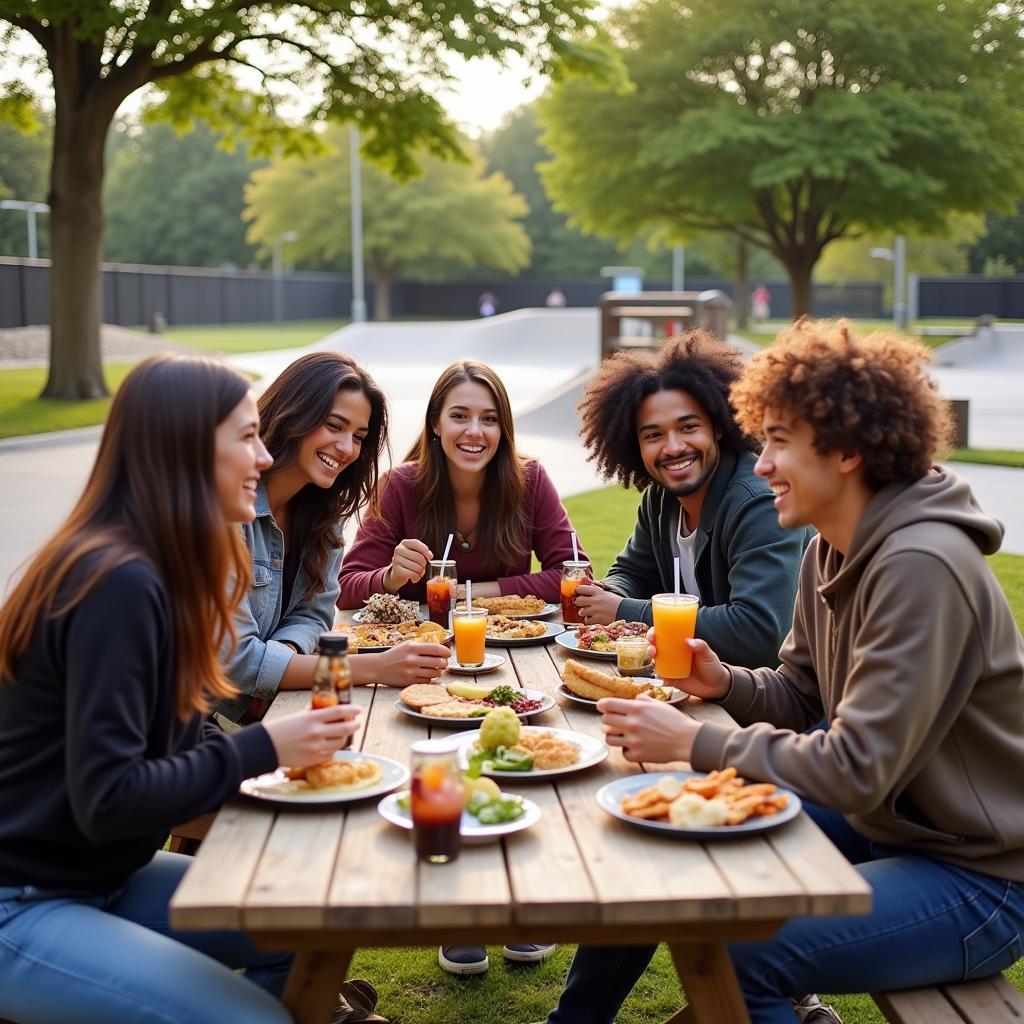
[908, 649]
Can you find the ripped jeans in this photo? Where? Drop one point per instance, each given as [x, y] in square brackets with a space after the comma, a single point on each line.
[930, 922]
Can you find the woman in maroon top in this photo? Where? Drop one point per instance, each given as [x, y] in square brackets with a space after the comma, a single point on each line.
[463, 476]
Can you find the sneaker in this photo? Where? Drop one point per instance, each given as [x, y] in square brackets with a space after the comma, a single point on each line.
[811, 1010]
[528, 952]
[463, 959]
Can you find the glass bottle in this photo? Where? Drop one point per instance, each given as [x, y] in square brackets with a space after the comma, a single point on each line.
[332, 674]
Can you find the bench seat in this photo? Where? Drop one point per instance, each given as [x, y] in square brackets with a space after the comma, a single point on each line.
[986, 1001]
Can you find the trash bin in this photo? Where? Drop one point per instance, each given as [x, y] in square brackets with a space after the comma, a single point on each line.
[958, 411]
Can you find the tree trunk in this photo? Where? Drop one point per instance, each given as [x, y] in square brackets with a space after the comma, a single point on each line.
[76, 240]
[742, 306]
[799, 269]
[382, 295]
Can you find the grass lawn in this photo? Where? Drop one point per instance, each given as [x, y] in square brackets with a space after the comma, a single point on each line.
[253, 337]
[989, 456]
[23, 412]
[865, 326]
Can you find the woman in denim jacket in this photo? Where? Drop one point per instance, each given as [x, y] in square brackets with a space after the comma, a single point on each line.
[324, 421]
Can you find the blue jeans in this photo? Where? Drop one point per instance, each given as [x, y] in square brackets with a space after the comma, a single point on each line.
[114, 958]
[931, 922]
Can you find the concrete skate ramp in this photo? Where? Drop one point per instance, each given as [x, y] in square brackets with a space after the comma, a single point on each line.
[999, 346]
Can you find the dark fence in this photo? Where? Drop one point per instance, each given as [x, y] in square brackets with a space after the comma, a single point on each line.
[970, 296]
[189, 295]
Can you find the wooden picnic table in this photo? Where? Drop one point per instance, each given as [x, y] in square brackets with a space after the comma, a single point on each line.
[326, 882]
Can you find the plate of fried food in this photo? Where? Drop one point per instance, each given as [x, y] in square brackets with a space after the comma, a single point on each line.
[387, 609]
[587, 685]
[487, 812]
[516, 606]
[505, 748]
[464, 703]
[505, 631]
[368, 638]
[696, 805]
[599, 641]
[346, 777]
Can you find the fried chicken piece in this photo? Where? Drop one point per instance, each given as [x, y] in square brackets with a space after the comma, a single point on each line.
[329, 774]
[594, 684]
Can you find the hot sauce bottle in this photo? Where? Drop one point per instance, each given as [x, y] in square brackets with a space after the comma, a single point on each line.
[332, 675]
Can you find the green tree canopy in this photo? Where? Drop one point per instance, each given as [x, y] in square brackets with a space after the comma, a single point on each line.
[451, 216]
[177, 200]
[24, 159]
[1000, 250]
[794, 123]
[235, 64]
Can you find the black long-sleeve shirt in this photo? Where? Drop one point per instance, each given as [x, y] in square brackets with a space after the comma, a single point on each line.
[95, 766]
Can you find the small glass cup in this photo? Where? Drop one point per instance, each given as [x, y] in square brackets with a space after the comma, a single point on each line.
[675, 620]
[470, 628]
[436, 801]
[631, 658]
[574, 572]
[442, 582]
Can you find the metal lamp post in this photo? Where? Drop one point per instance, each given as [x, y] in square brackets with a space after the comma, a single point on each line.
[897, 255]
[31, 209]
[277, 271]
[356, 192]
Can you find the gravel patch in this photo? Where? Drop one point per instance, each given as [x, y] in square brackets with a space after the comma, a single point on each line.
[30, 346]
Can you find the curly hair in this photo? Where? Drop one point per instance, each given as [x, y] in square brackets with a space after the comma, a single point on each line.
[872, 395]
[695, 362]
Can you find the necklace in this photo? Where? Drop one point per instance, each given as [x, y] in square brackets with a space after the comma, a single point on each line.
[464, 539]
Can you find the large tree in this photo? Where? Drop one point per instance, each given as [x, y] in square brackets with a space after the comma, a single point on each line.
[369, 61]
[1001, 249]
[795, 123]
[450, 217]
[24, 158]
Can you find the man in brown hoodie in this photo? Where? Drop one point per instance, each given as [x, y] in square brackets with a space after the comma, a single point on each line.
[903, 641]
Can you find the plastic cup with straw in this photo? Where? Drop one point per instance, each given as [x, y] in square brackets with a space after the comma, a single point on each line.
[573, 574]
[442, 583]
[675, 619]
[470, 627]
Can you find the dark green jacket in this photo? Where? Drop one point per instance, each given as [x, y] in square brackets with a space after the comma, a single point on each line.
[745, 563]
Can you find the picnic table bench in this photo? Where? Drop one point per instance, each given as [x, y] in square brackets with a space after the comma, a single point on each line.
[326, 882]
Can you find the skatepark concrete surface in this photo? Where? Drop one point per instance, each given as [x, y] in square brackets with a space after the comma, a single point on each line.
[545, 358]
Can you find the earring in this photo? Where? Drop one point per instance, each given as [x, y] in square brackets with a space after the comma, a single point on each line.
[437, 437]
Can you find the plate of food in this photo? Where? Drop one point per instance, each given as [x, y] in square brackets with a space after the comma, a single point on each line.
[368, 638]
[387, 609]
[695, 805]
[488, 814]
[599, 641]
[587, 685]
[491, 662]
[516, 606]
[348, 776]
[505, 748]
[463, 703]
[508, 632]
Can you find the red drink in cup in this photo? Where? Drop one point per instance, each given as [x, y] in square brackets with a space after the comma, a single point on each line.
[436, 801]
[442, 581]
[573, 574]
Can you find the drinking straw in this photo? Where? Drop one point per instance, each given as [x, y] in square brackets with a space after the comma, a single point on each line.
[575, 547]
[469, 594]
[447, 547]
[675, 564]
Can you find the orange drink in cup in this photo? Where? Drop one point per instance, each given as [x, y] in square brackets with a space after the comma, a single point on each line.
[574, 572]
[675, 619]
[442, 580]
[470, 626]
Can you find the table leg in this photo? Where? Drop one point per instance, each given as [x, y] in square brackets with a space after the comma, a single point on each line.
[710, 983]
[312, 990]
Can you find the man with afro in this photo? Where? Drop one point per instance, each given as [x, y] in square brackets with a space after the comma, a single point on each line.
[662, 423]
[905, 644]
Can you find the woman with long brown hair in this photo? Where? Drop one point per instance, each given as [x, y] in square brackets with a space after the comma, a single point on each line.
[464, 477]
[324, 421]
[108, 665]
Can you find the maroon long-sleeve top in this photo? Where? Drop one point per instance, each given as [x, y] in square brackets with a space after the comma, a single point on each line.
[545, 521]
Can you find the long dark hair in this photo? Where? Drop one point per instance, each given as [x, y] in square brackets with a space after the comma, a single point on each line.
[295, 405]
[152, 495]
[501, 532]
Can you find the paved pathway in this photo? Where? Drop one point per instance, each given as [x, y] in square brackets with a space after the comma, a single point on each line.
[544, 357]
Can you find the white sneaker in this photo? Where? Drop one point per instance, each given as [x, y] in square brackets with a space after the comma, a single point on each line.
[811, 1010]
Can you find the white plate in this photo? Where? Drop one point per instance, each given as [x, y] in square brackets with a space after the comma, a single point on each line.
[491, 662]
[551, 630]
[547, 703]
[609, 798]
[360, 616]
[547, 610]
[678, 697]
[470, 829]
[276, 788]
[570, 642]
[362, 649]
[592, 751]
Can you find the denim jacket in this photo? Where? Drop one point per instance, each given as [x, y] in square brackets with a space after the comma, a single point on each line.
[265, 628]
